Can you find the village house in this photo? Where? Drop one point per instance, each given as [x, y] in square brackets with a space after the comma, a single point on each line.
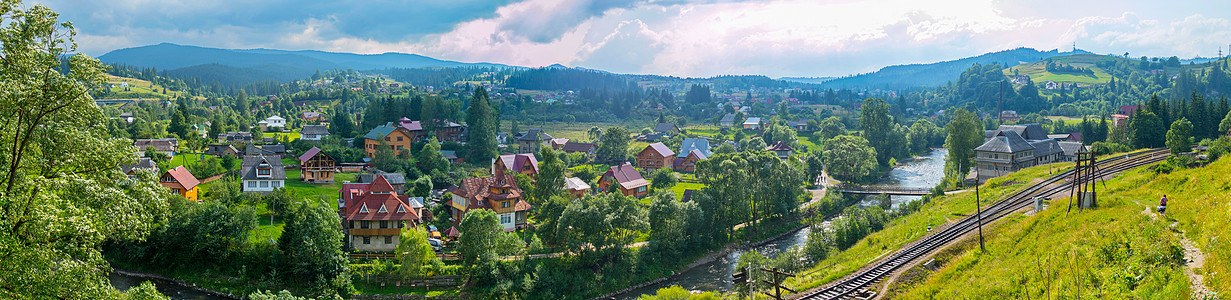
[666, 129]
[312, 116]
[691, 151]
[655, 156]
[576, 187]
[558, 143]
[623, 179]
[498, 193]
[272, 122]
[1010, 116]
[181, 182]
[127, 116]
[313, 132]
[1014, 147]
[531, 141]
[235, 137]
[727, 120]
[516, 164]
[589, 149]
[143, 163]
[166, 146]
[221, 150]
[781, 149]
[397, 180]
[799, 125]
[374, 215]
[752, 123]
[404, 133]
[316, 167]
[262, 174]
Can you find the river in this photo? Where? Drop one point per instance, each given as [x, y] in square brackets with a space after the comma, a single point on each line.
[173, 290]
[923, 171]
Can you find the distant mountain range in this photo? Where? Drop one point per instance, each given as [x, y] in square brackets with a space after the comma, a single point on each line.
[259, 64]
[940, 73]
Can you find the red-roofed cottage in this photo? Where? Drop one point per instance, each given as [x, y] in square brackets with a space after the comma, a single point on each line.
[624, 179]
[181, 182]
[373, 215]
[498, 193]
[655, 156]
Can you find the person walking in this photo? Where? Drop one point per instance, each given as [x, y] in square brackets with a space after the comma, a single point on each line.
[1162, 205]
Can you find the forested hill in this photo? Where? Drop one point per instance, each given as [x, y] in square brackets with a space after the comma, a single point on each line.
[940, 73]
[242, 66]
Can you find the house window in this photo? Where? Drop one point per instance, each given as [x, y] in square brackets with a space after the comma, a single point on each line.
[384, 224]
[367, 240]
[252, 184]
[388, 239]
[504, 219]
[363, 224]
[175, 191]
[352, 224]
[262, 171]
[277, 184]
[641, 189]
[264, 184]
[504, 204]
[386, 139]
[399, 139]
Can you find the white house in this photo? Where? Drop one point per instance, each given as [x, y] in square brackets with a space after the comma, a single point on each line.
[275, 121]
[313, 132]
[262, 173]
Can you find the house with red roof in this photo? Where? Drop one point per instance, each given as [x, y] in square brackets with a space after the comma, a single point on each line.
[624, 179]
[498, 193]
[181, 182]
[781, 149]
[655, 156]
[316, 167]
[373, 215]
[524, 163]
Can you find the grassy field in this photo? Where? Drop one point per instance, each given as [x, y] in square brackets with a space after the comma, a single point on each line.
[1115, 251]
[679, 188]
[573, 131]
[137, 88]
[1038, 73]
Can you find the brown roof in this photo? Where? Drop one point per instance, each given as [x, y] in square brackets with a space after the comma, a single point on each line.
[661, 149]
[478, 191]
[165, 145]
[380, 185]
[779, 146]
[309, 154]
[184, 177]
[578, 147]
[373, 202]
[453, 232]
[627, 176]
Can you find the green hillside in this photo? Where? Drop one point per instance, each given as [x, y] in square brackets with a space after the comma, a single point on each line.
[1038, 73]
[1121, 250]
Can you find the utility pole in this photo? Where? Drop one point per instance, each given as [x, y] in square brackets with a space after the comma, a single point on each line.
[779, 276]
[979, 210]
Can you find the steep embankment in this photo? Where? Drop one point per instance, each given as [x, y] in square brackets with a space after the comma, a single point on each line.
[1115, 251]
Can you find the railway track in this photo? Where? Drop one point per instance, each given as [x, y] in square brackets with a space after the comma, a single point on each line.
[867, 276]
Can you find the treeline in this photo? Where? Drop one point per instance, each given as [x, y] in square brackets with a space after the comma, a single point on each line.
[567, 79]
[437, 77]
[1054, 67]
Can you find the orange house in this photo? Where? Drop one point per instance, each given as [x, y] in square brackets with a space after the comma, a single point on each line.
[624, 179]
[181, 182]
[655, 156]
[396, 137]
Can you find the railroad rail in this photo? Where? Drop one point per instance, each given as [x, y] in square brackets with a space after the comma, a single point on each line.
[873, 273]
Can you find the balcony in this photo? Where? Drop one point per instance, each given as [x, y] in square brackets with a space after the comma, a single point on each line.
[375, 231]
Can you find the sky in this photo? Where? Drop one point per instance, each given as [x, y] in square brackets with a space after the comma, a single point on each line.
[693, 38]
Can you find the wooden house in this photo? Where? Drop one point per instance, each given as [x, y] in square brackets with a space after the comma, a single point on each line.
[498, 193]
[181, 182]
[655, 156]
[516, 164]
[624, 179]
[316, 167]
[374, 215]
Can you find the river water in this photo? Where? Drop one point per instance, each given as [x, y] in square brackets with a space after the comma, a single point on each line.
[174, 291]
[925, 171]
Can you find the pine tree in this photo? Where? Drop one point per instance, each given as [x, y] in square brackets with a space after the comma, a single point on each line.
[482, 120]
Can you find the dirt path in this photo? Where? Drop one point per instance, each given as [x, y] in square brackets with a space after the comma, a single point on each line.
[1194, 259]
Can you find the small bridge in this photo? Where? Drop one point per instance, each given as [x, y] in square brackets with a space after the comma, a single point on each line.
[877, 190]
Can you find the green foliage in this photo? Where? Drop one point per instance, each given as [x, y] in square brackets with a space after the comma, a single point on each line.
[744, 187]
[964, 136]
[550, 180]
[614, 146]
[698, 94]
[780, 133]
[877, 127]
[1104, 148]
[1179, 136]
[143, 291]
[342, 125]
[679, 293]
[923, 135]
[422, 187]
[600, 222]
[671, 224]
[484, 122]
[1219, 148]
[663, 178]
[1225, 126]
[430, 159]
[849, 157]
[1147, 130]
[830, 127]
[415, 254]
[479, 233]
[270, 295]
[311, 250]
